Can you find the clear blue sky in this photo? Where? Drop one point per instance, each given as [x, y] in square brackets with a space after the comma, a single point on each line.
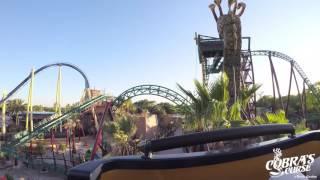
[120, 44]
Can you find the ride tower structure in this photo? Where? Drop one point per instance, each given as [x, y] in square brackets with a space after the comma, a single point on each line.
[211, 59]
[231, 53]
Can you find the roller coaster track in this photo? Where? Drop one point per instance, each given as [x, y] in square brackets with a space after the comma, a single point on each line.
[22, 83]
[53, 121]
[148, 89]
[287, 58]
[46, 125]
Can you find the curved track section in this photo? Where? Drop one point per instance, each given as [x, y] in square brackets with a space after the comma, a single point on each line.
[44, 126]
[148, 89]
[290, 60]
[87, 85]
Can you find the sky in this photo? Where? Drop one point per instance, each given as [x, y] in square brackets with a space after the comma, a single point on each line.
[120, 44]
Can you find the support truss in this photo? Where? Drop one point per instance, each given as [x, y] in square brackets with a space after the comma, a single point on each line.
[150, 90]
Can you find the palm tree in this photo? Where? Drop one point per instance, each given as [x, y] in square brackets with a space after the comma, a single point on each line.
[122, 131]
[144, 105]
[16, 105]
[209, 105]
[127, 107]
[245, 94]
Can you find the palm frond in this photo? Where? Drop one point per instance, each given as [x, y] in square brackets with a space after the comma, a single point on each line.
[219, 89]
[235, 111]
[187, 93]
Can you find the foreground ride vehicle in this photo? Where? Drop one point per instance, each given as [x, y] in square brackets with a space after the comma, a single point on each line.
[258, 161]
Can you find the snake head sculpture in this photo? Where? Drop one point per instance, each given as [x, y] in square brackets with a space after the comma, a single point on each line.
[241, 7]
[235, 8]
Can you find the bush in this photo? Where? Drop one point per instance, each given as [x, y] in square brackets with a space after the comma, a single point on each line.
[301, 127]
[8, 177]
[88, 155]
[63, 147]
[40, 147]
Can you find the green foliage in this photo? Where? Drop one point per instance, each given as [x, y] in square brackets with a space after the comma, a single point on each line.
[273, 118]
[127, 126]
[63, 147]
[9, 177]
[246, 94]
[2, 155]
[199, 112]
[122, 131]
[209, 105]
[163, 109]
[219, 114]
[88, 155]
[38, 108]
[121, 137]
[16, 105]
[157, 109]
[311, 101]
[167, 107]
[295, 103]
[112, 128]
[127, 107]
[235, 112]
[301, 127]
[144, 105]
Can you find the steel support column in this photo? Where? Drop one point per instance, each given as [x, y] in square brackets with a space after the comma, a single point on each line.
[289, 90]
[274, 76]
[29, 115]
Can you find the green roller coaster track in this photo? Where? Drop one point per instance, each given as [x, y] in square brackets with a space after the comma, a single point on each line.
[46, 125]
[148, 89]
[49, 123]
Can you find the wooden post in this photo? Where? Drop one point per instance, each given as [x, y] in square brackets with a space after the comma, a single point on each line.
[73, 140]
[65, 164]
[67, 135]
[30, 147]
[52, 148]
[80, 160]
[79, 133]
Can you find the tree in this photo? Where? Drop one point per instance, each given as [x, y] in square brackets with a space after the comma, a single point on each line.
[122, 131]
[301, 127]
[311, 101]
[15, 105]
[144, 105]
[38, 108]
[245, 95]
[127, 107]
[209, 106]
[199, 111]
[164, 108]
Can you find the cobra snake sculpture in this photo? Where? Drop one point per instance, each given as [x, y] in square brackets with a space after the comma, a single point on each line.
[229, 29]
